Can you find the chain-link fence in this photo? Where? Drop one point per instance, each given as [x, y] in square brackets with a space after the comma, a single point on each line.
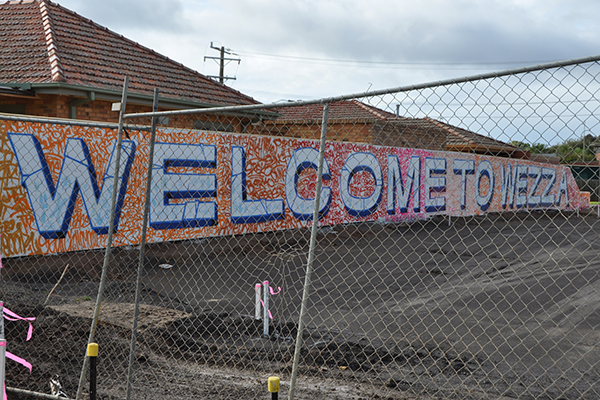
[453, 255]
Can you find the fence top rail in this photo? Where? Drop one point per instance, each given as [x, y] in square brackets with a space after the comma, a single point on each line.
[445, 82]
[72, 122]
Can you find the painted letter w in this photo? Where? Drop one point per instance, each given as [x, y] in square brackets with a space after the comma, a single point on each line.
[52, 205]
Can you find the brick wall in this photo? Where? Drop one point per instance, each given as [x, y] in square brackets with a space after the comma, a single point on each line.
[395, 133]
[41, 105]
[57, 106]
[355, 131]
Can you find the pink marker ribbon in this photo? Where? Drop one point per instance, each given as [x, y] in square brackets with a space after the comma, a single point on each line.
[269, 311]
[11, 316]
[273, 292]
[19, 360]
[16, 359]
[266, 283]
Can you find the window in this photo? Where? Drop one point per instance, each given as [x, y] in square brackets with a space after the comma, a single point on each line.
[12, 108]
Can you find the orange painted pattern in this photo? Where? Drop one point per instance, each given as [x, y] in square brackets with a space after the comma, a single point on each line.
[266, 165]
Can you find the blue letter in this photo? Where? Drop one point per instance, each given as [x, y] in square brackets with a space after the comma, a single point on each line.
[357, 162]
[485, 169]
[521, 185]
[547, 198]
[563, 189]
[302, 208]
[168, 186]
[535, 172]
[53, 206]
[463, 168]
[398, 191]
[434, 184]
[245, 211]
[508, 186]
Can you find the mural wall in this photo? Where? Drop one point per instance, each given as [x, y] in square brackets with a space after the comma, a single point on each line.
[56, 185]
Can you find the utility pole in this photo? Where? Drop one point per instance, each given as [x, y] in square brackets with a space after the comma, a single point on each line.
[223, 51]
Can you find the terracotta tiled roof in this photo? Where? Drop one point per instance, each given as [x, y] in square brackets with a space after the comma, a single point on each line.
[43, 42]
[349, 110]
[456, 139]
[461, 139]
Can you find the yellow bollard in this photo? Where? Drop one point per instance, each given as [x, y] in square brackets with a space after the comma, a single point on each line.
[274, 387]
[92, 353]
[92, 350]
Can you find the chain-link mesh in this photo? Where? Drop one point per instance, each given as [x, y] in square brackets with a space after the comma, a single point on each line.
[454, 257]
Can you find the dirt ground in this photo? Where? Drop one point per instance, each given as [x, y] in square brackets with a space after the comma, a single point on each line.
[499, 306]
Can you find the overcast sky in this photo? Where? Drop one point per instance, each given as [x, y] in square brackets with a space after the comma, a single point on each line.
[309, 49]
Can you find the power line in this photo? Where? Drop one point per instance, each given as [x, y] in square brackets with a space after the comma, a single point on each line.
[386, 64]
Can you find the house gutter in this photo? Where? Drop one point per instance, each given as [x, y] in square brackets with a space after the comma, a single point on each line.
[67, 89]
[482, 149]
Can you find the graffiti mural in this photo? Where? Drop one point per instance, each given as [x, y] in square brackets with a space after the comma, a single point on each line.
[57, 184]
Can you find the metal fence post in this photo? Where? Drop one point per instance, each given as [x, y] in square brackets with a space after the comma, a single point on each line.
[311, 253]
[266, 309]
[142, 248]
[257, 299]
[2, 348]
[111, 227]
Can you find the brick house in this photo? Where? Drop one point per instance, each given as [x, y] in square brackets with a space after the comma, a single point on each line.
[464, 140]
[355, 121]
[56, 63]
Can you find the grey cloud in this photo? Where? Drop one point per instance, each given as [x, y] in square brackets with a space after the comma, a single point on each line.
[383, 30]
[425, 31]
[119, 15]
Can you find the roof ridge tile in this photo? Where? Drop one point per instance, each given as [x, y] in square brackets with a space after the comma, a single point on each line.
[369, 109]
[53, 55]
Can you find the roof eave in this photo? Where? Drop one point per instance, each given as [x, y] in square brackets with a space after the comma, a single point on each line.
[16, 91]
[67, 89]
[472, 147]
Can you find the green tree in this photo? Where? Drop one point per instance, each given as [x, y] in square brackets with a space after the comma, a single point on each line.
[570, 151]
[575, 150]
[535, 148]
